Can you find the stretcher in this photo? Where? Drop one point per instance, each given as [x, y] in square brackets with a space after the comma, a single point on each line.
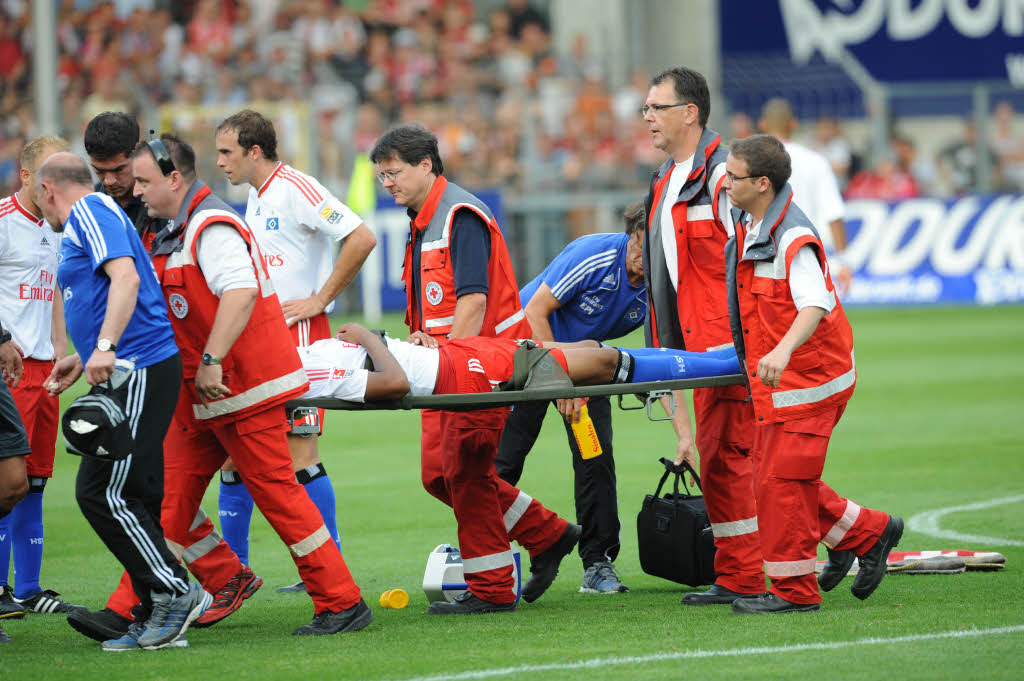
[647, 394]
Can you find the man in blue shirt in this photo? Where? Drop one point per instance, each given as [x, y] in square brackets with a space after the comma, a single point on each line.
[592, 289]
[114, 308]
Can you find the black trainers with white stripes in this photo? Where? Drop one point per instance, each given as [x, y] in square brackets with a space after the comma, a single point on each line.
[9, 607]
[47, 601]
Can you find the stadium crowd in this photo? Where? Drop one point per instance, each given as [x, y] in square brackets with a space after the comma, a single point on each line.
[491, 84]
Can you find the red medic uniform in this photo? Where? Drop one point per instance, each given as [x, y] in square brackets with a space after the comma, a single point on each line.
[795, 420]
[263, 371]
[458, 448]
[694, 316]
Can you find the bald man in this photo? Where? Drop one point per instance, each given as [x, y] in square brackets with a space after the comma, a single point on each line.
[815, 188]
[114, 308]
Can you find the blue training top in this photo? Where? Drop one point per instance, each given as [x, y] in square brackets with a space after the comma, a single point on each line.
[589, 279]
[97, 231]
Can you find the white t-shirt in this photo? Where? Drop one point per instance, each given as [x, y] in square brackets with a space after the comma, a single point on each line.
[296, 222]
[335, 368]
[815, 189]
[28, 276]
[668, 228]
[806, 280]
[224, 259]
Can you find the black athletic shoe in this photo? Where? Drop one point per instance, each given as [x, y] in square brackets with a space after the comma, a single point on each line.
[9, 608]
[355, 618]
[769, 604]
[837, 567]
[874, 562]
[48, 601]
[468, 604]
[99, 625]
[716, 595]
[544, 568]
[4, 638]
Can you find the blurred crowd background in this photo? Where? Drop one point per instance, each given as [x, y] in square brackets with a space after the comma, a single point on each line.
[512, 112]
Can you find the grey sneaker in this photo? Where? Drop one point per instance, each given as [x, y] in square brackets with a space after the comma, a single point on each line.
[130, 641]
[600, 578]
[171, 617]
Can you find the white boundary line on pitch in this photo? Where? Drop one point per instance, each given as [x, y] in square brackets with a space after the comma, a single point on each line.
[927, 522]
[599, 662]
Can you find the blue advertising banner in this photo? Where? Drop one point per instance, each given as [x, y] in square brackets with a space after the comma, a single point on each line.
[895, 40]
[391, 226]
[920, 251]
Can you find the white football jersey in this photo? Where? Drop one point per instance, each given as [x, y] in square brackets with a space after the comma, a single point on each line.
[335, 368]
[28, 276]
[815, 189]
[296, 222]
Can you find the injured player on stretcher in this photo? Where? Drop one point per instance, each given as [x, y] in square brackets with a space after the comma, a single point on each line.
[336, 367]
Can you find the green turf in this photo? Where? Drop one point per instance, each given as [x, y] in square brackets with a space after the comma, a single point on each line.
[936, 421]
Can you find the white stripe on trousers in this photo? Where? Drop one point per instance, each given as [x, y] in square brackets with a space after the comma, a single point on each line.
[115, 501]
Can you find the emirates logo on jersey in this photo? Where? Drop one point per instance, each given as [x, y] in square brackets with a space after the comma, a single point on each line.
[434, 293]
[178, 305]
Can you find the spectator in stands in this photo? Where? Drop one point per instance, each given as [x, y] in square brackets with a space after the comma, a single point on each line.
[399, 55]
[1008, 147]
[920, 166]
[830, 143]
[886, 180]
[741, 125]
[958, 161]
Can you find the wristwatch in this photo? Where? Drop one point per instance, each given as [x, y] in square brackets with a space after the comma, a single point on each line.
[209, 359]
[105, 345]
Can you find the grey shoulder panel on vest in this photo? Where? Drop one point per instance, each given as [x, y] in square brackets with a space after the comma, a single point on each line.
[454, 195]
[214, 202]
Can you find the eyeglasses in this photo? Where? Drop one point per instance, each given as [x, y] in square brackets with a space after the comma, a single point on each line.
[645, 109]
[388, 175]
[733, 178]
[161, 155]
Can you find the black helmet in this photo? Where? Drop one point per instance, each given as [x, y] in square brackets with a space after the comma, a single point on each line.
[95, 425]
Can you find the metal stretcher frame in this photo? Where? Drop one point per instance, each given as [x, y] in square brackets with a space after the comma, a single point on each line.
[653, 390]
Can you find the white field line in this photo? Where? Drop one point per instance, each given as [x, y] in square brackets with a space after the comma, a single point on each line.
[927, 522]
[601, 662]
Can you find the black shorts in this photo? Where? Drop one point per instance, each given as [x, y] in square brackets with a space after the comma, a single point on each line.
[13, 441]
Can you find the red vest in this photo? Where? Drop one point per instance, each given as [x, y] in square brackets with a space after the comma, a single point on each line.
[262, 368]
[821, 374]
[699, 301]
[434, 311]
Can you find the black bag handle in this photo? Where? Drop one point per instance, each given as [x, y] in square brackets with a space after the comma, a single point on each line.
[677, 471]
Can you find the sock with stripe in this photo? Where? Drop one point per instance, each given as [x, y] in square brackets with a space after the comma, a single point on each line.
[27, 531]
[321, 491]
[235, 509]
[665, 364]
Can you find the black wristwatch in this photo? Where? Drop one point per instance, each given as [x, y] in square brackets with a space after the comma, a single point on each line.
[5, 335]
[105, 345]
[209, 359]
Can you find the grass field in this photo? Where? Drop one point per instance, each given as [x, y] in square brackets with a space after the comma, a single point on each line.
[937, 421]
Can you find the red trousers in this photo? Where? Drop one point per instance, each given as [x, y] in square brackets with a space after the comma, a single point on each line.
[457, 466]
[725, 440]
[38, 410]
[258, 446]
[207, 556]
[797, 510]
